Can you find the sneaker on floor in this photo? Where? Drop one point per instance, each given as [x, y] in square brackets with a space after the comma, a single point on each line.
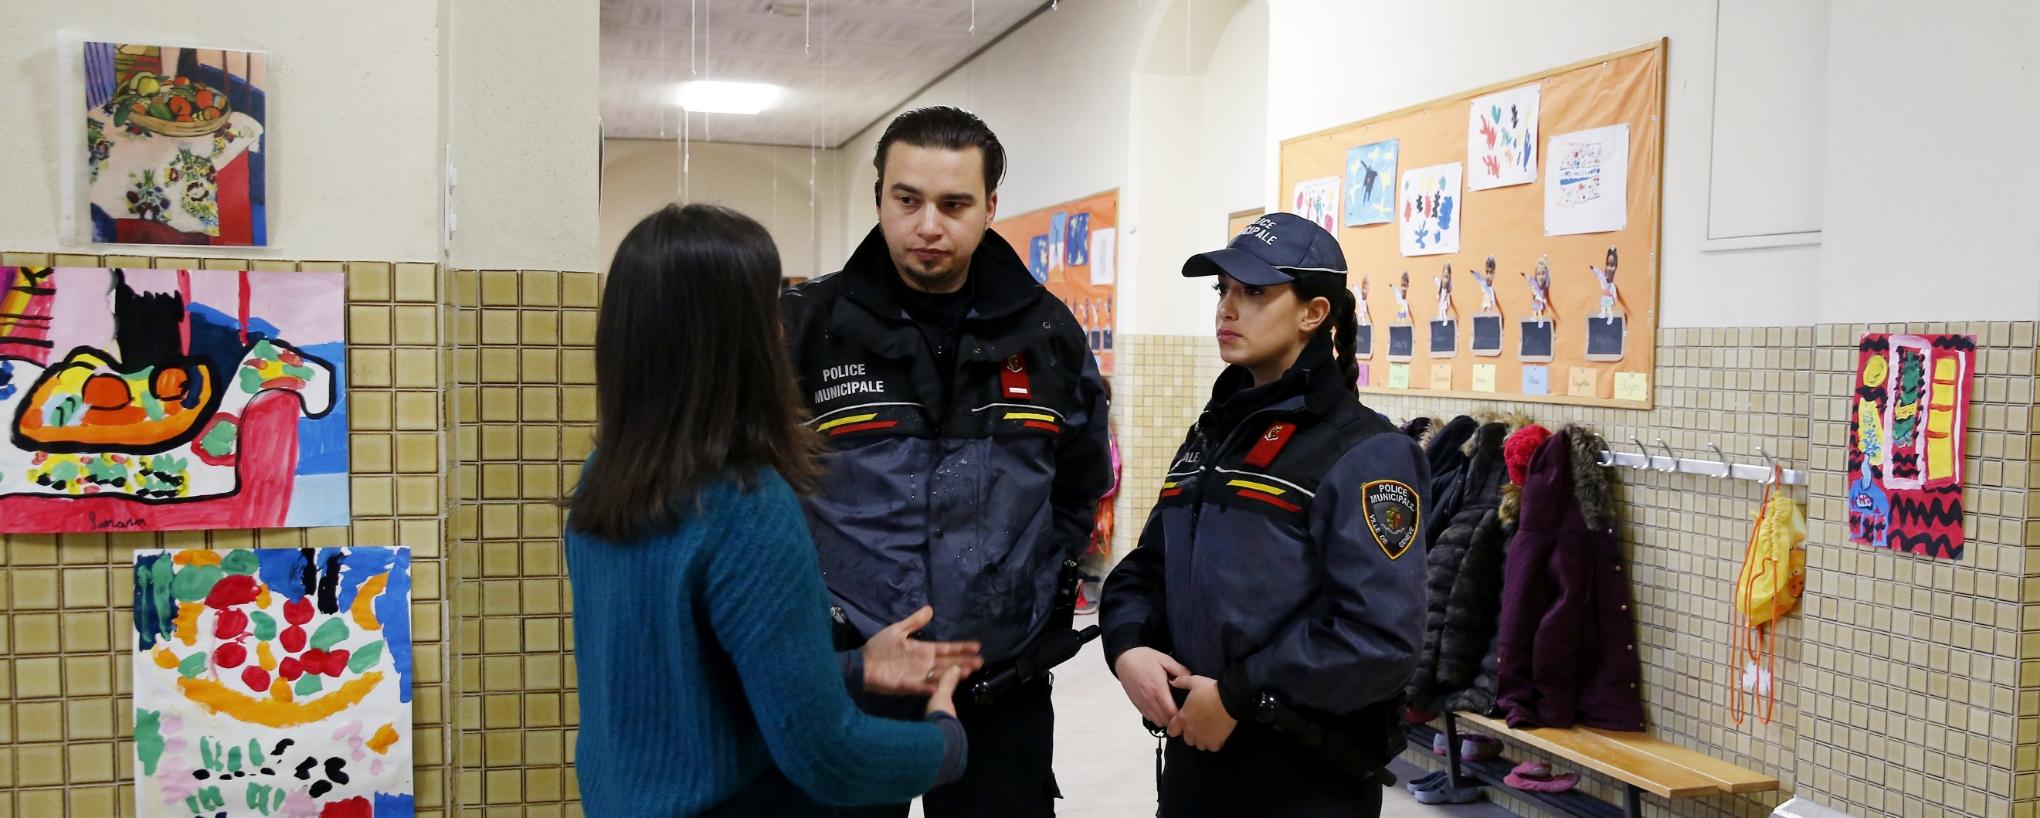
[1449, 795]
[1428, 781]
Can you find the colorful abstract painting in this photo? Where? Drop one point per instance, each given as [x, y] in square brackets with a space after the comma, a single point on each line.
[1907, 415]
[140, 399]
[1318, 201]
[1587, 187]
[1501, 139]
[1430, 217]
[273, 682]
[175, 142]
[1370, 183]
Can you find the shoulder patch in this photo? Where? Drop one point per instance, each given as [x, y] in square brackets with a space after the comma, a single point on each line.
[1393, 510]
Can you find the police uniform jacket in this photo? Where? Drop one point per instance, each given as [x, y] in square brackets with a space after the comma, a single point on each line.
[964, 489]
[1284, 554]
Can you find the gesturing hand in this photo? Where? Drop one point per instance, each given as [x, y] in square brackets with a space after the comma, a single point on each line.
[897, 664]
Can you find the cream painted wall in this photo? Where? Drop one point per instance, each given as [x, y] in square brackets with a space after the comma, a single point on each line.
[354, 165]
[521, 116]
[1055, 91]
[767, 183]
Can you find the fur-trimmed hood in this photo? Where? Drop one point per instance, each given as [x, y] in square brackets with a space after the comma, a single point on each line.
[1593, 483]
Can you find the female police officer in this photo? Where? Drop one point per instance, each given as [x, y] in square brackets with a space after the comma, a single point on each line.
[1274, 607]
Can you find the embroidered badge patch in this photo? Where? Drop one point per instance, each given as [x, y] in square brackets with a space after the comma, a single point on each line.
[1392, 510]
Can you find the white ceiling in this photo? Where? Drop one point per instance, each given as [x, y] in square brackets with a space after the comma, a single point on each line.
[857, 61]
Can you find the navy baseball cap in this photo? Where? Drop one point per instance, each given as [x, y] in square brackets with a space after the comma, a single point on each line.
[1275, 249]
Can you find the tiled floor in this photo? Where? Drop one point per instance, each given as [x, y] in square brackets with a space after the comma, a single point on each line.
[1106, 762]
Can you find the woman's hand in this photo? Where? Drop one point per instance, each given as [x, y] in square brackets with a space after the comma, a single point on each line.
[943, 700]
[1144, 674]
[897, 664]
[1203, 722]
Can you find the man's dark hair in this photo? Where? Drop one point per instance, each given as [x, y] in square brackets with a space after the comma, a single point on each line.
[946, 128]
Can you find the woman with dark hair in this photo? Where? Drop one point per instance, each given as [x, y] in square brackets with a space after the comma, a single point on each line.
[1278, 587]
[707, 681]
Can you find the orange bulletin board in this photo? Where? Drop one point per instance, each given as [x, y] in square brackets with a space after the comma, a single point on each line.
[1509, 224]
[1073, 249]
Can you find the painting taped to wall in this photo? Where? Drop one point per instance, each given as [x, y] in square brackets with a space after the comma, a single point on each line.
[1908, 413]
[175, 142]
[139, 399]
[273, 682]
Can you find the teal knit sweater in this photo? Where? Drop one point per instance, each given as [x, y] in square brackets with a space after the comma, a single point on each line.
[707, 677]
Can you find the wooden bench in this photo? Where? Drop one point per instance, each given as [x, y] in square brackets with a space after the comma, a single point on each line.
[1641, 763]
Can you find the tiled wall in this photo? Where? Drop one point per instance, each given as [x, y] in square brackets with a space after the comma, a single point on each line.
[1906, 686]
[65, 711]
[522, 358]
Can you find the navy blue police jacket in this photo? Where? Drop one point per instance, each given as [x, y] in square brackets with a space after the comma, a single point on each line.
[964, 490]
[1284, 554]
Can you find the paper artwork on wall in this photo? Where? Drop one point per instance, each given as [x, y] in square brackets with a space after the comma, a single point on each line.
[1318, 201]
[1908, 413]
[1587, 186]
[1430, 212]
[273, 682]
[139, 399]
[175, 144]
[1370, 183]
[1501, 139]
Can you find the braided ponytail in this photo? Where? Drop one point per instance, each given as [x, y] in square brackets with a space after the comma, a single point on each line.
[1343, 322]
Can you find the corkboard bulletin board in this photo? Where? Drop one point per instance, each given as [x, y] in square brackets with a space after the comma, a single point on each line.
[1091, 288]
[1508, 223]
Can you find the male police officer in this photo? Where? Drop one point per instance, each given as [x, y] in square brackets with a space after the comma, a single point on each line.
[966, 423]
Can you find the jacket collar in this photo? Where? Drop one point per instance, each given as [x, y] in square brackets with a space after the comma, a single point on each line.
[1312, 384]
[1003, 285]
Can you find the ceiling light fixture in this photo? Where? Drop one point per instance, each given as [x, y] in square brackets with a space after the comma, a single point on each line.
[724, 97]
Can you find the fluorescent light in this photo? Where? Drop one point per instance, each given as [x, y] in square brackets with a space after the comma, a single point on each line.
[720, 97]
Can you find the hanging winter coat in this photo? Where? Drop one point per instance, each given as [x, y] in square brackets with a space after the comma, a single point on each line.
[1466, 650]
[1447, 454]
[1566, 650]
[1479, 489]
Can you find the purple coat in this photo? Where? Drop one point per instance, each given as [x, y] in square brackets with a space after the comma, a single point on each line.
[1566, 650]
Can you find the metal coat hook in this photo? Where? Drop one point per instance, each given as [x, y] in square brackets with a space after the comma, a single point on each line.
[1727, 468]
[1606, 456]
[1673, 456]
[1770, 465]
[1640, 448]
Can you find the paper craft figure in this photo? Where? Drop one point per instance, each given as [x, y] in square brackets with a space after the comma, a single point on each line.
[1906, 443]
[1608, 329]
[1535, 342]
[1402, 334]
[1363, 342]
[1444, 328]
[1487, 324]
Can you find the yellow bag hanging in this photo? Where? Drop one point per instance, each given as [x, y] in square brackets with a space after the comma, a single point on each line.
[1772, 578]
[1774, 566]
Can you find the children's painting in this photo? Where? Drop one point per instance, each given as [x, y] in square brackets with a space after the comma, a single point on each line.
[1587, 189]
[1037, 258]
[1318, 201]
[1430, 210]
[1501, 139]
[1370, 183]
[1907, 418]
[171, 399]
[273, 682]
[1078, 245]
[175, 140]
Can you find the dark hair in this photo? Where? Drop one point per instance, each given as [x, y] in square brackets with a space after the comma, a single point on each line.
[1343, 323]
[692, 377]
[947, 128]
